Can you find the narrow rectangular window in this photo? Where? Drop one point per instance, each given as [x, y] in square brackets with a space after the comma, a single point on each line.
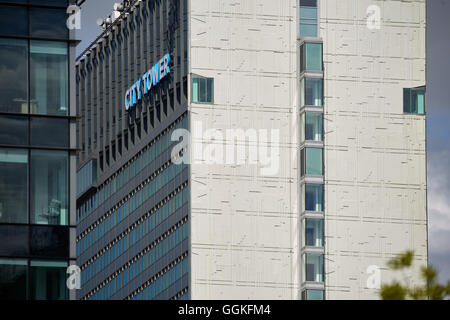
[202, 90]
[308, 18]
[414, 100]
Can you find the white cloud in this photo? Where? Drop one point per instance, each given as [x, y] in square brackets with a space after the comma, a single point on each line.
[439, 211]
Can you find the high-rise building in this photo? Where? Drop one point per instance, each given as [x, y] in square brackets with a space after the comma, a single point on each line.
[37, 150]
[306, 162]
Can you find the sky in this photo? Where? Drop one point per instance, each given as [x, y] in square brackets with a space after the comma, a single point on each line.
[438, 117]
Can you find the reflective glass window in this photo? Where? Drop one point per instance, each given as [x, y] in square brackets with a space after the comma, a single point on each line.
[49, 187]
[414, 101]
[312, 92]
[13, 185]
[313, 232]
[202, 90]
[313, 267]
[315, 295]
[49, 77]
[308, 18]
[48, 23]
[312, 197]
[314, 161]
[311, 57]
[312, 126]
[13, 279]
[14, 75]
[13, 20]
[48, 280]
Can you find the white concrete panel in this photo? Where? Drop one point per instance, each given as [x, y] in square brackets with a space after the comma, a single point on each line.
[244, 233]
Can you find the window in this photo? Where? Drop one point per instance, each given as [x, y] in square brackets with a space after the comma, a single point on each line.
[43, 132]
[312, 198]
[414, 100]
[13, 130]
[313, 295]
[13, 186]
[312, 126]
[202, 90]
[313, 269]
[14, 79]
[311, 57]
[312, 93]
[14, 240]
[48, 23]
[308, 18]
[49, 241]
[49, 79]
[312, 161]
[313, 233]
[48, 280]
[13, 21]
[13, 279]
[49, 187]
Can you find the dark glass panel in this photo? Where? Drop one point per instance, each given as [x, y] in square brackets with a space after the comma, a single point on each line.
[13, 20]
[62, 3]
[13, 130]
[13, 279]
[48, 23]
[13, 186]
[49, 132]
[14, 240]
[49, 241]
[48, 280]
[14, 75]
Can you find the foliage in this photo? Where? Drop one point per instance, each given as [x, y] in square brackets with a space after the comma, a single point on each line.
[431, 290]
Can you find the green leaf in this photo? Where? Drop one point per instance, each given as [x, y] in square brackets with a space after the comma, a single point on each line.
[401, 261]
[394, 291]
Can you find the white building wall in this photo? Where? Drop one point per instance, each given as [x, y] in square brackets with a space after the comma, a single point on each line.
[375, 161]
[245, 224]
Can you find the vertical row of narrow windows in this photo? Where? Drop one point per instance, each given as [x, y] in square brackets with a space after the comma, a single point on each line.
[311, 153]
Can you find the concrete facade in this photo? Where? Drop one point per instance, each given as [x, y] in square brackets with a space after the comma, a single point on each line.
[375, 155]
[245, 225]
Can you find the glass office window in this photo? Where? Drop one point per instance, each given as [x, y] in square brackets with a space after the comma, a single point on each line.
[312, 126]
[315, 295]
[13, 186]
[313, 269]
[13, 279]
[49, 79]
[43, 132]
[308, 18]
[202, 90]
[48, 23]
[311, 57]
[13, 20]
[13, 130]
[312, 92]
[314, 161]
[48, 280]
[49, 187]
[414, 101]
[14, 75]
[312, 197]
[313, 232]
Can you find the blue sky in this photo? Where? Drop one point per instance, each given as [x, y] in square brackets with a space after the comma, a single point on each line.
[438, 117]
